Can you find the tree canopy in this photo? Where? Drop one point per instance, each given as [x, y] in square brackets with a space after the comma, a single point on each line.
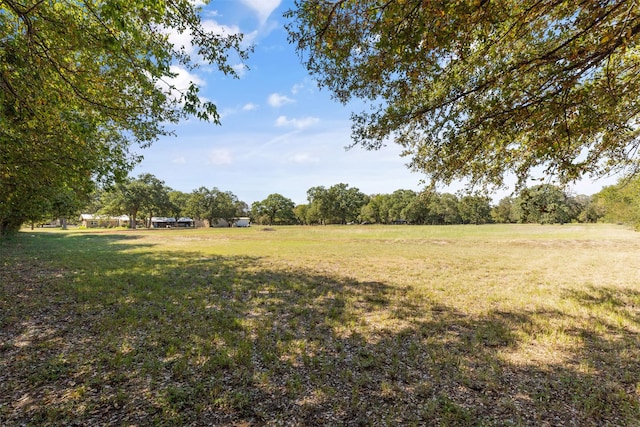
[275, 209]
[81, 82]
[477, 89]
[338, 204]
[146, 195]
[213, 205]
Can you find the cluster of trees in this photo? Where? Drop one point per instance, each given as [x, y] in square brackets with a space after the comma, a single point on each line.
[539, 204]
[146, 196]
[620, 203]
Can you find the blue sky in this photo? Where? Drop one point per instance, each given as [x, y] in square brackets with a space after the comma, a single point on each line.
[279, 132]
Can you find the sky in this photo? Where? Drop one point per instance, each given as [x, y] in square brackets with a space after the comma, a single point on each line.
[280, 133]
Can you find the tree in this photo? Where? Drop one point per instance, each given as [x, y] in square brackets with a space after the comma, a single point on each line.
[83, 82]
[275, 209]
[503, 211]
[39, 209]
[478, 89]
[444, 209]
[146, 194]
[543, 204]
[225, 205]
[241, 208]
[337, 204]
[125, 198]
[66, 204]
[178, 203]
[582, 208]
[620, 203]
[319, 204]
[157, 202]
[475, 209]
[418, 212]
[591, 211]
[213, 205]
[197, 204]
[373, 211]
[345, 203]
[310, 213]
[302, 214]
[397, 204]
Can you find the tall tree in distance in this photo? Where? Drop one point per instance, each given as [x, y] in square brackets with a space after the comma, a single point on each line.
[213, 205]
[145, 195]
[477, 89]
[275, 209]
[82, 82]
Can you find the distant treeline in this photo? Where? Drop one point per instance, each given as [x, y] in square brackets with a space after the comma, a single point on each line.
[146, 196]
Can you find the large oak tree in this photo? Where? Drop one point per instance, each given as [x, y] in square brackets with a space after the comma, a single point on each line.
[480, 89]
[83, 82]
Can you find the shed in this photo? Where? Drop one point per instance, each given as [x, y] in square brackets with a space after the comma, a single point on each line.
[91, 220]
[162, 222]
[185, 222]
[243, 221]
[169, 222]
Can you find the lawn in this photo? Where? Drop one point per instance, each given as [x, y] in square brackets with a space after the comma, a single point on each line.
[499, 325]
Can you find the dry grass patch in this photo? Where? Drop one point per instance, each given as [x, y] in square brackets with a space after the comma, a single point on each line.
[495, 325]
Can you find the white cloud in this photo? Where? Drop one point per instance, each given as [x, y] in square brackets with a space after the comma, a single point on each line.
[302, 123]
[240, 69]
[213, 26]
[249, 107]
[277, 100]
[179, 160]
[297, 88]
[262, 8]
[249, 38]
[219, 157]
[303, 158]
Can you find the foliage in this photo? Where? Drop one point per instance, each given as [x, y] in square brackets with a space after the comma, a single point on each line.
[543, 204]
[372, 211]
[67, 204]
[475, 209]
[395, 205]
[178, 203]
[213, 205]
[620, 203]
[302, 214]
[478, 89]
[444, 209]
[417, 212]
[341, 204]
[83, 82]
[146, 195]
[274, 210]
[337, 204]
[546, 204]
[503, 212]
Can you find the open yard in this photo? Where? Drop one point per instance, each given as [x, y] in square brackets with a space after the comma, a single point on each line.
[521, 325]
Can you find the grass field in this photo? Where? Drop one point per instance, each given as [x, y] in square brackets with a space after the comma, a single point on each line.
[521, 325]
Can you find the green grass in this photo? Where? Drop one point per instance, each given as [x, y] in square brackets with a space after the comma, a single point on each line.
[355, 325]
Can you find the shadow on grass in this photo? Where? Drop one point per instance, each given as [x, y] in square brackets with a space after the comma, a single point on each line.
[104, 335]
